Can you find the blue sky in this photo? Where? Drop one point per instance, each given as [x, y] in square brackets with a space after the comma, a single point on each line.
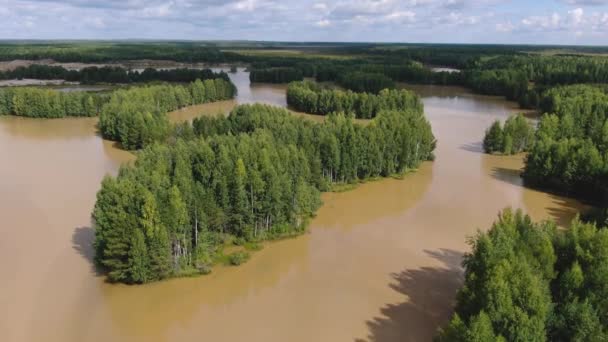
[445, 21]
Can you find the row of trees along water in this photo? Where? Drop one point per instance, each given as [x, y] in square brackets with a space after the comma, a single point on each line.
[49, 103]
[254, 175]
[313, 98]
[138, 116]
[275, 75]
[521, 77]
[95, 52]
[110, 74]
[526, 281]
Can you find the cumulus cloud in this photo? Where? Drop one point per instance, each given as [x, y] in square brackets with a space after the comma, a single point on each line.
[577, 25]
[365, 20]
[586, 2]
[323, 23]
[505, 27]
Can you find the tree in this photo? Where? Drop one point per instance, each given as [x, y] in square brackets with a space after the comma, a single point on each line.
[493, 141]
[526, 282]
[138, 258]
[254, 175]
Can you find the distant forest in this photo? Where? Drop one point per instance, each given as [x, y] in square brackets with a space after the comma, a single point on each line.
[110, 74]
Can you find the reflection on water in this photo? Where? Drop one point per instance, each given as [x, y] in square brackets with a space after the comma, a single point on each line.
[380, 263]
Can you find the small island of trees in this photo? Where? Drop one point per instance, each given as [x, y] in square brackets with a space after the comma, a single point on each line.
[312, 98]
[255, 175]
[516, 136]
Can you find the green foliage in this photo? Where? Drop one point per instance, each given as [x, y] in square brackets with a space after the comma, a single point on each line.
[311, 98]
[110, 74]
[137, 116]
[511, 83]
[517, 136]
[275, 75]
[571, 149]
[366, 82]
[531, 282]
[254, 175]
[95, 52]
[494, 138]
[238, 258]
[48, 103]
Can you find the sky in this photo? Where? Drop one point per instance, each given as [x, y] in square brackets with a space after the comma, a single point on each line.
[581, 22]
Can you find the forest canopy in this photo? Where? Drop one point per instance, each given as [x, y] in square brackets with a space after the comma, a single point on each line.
[570, 153]
[527, 281]
[49, 103]
[111, 74]
[313, 98]
[254, 175]
[275, 75]
[138, 116]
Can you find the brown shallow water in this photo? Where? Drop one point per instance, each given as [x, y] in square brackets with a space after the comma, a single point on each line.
[381, 263]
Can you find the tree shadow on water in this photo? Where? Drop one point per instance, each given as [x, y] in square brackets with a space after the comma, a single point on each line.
[430, 293]
[507, 175]
[476, 147]
[563, 210]
[82, 242]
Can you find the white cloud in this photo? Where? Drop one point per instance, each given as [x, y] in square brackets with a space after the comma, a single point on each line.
[365, 20]
[246, 5]
[542, 22]
[576, 16]
[457, 18]
[586, 2]
[407, 16]
[323, 23]
[158, 11]
[97, 23]
[320, 6]
[505, 27]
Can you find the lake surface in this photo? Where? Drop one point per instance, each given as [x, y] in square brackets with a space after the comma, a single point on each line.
[381, 262]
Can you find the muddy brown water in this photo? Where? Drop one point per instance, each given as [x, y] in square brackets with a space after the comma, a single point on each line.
[381, 262]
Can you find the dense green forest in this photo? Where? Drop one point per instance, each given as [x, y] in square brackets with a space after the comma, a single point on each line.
[528, 281]
[519, 73]
[49, 103]
[275, 75]
[570, 153]
[110, 74]
[516, 136]
[254, 175]
[138, 116]
[362, 82]
[92, 52]
[312, 98]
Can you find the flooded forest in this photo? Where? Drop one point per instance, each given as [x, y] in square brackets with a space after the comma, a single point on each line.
[290, 192]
